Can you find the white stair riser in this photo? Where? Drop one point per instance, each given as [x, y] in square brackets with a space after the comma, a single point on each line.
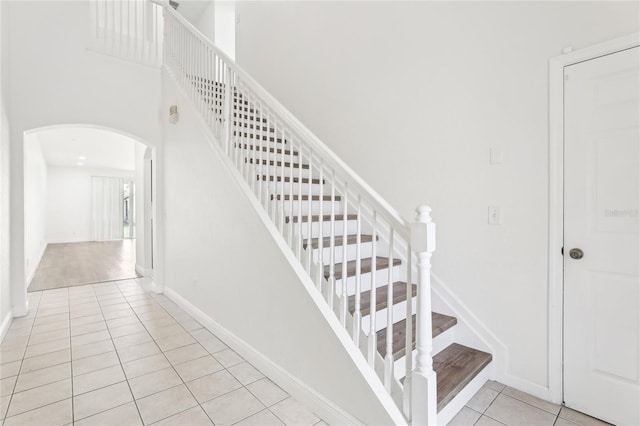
[399, 313]
[352, 227]
[382, 278]
[266, 155]
[365, 251]
[440, 342]
[267, 170]
[277, 188]
[292, 206]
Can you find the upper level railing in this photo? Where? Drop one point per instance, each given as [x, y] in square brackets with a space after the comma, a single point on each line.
[284, 163]
[128, 29]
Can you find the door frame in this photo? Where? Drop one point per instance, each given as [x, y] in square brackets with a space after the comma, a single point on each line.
[556, 198]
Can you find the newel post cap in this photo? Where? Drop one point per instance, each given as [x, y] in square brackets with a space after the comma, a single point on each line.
[423, 231]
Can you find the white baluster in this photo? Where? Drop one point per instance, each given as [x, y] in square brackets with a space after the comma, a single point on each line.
[320, 276]
[309, 217]
[388, 359]
[357, 314]
[423, 386]
[332, 242]
[408, 344]
[299, 227]
[372, 347]
[262, 158]
[345, 235]
[291, 170]
[227, 108]
[281, 201]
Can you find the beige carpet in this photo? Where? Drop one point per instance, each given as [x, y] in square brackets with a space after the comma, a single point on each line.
[71, 264]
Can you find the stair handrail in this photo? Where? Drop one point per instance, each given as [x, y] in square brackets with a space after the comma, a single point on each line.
[232, 88]
[390, 213]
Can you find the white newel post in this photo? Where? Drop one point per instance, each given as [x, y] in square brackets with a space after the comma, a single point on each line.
[423, 395]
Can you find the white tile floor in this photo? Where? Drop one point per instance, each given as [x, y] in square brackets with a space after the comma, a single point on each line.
[496, 404]
[112, 353]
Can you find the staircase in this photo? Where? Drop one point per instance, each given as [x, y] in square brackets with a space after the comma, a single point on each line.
[371, 266]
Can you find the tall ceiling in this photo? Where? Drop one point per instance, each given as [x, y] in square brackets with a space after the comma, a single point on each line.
[87, 147]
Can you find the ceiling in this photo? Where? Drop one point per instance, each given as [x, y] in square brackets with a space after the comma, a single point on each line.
[70, 146]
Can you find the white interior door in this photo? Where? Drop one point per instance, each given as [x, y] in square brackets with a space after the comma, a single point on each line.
[602, 289]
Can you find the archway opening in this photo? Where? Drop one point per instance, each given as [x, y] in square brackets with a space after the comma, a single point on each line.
[88, 206]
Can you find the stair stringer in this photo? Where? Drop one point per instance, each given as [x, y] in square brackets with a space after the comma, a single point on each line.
[192, 117]
[397, 390]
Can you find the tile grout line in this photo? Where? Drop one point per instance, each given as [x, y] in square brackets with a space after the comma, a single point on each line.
[120, 361]
[268, 408]
[501, 392]
[170, 363]
[73, 411]
[35, 315]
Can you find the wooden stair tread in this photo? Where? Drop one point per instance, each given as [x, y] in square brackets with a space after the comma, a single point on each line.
[455, 367]
[275, 163]
[257, 137]
[263, 149]
[249, 117]
[399, 295]
[314, 181]
[439, 324]
[325, 218]
[254, 127]
[297, 197]
[365, 267]
[338, 240]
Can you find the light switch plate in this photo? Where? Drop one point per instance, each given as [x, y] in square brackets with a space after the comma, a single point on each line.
[495, 215]
[496, 156]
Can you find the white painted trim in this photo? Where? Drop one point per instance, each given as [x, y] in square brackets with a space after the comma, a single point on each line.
[149, 284]
[145, 272]
[330, 317]
[91, 126]
[291, 384]
[22, 310]
[37, 263]
[556, 196]
[4, 326]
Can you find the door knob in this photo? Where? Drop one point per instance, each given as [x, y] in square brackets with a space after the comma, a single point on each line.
[576, 253]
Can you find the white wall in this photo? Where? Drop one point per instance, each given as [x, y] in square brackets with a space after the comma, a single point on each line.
[225, 27]
[5, 288]
[221, 258]
[69, 202]
[206, 21]
[35, 204]
[412, 95]
[56, 80]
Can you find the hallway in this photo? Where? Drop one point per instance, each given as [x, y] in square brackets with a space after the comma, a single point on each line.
[112, 353]
[72, 264]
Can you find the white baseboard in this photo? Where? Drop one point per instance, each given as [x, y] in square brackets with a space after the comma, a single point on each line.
[150, 284]
[145, 272]
[292, 385]
[4, 326]
[21, 311]
[526, 386]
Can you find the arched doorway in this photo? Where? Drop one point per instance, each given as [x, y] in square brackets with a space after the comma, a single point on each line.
[92, 152]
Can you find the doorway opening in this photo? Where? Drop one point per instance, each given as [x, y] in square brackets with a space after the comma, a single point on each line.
[87, 218]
